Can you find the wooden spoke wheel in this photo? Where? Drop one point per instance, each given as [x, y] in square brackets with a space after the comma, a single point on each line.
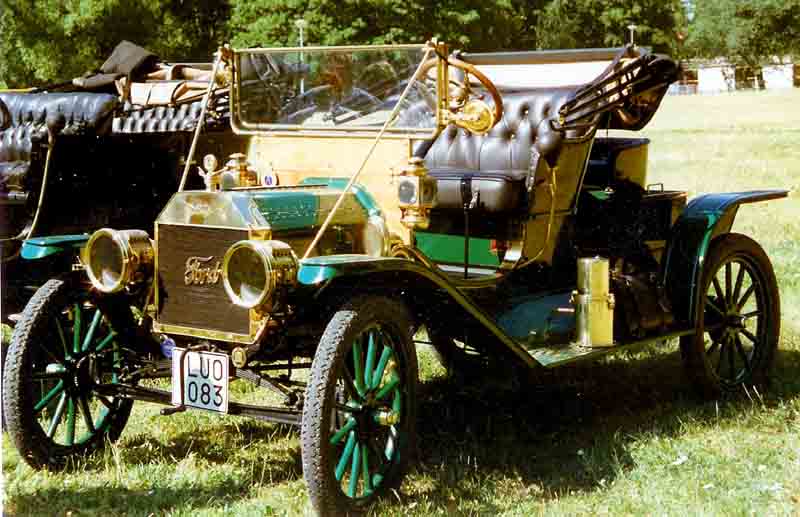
[737, 319]
[61, 349]
[358, 419]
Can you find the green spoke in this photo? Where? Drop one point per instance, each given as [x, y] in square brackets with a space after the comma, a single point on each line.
[87, 414]
[357, 364]
[728, 282]
[718, 290]
[346, 454]
[58, 388]
[61, 336]
[737, 289]
[743, 354]
[70, 439]
[76, 329]
[62, 405]
[388, 387]
[49, 353]
[712, 304]
[722, 349]
[351, 489]
[750, 336]
[90, 333]
[106, 340]
[378, 375]
[713, 347]
[107, 403]
[47, 376]
[346, 428]
[368, 371]
[746, 296]
[365, 470]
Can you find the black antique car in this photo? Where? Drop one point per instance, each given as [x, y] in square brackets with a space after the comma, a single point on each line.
[386, 189]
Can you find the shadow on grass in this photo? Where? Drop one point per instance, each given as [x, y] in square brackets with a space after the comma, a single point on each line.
[571, 431]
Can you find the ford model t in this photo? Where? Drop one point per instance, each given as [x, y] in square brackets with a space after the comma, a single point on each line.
[387, 189]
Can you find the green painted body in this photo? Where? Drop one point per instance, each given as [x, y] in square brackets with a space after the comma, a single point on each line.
[304, 207]
[705, 218]
[449, 249]
[41, 247]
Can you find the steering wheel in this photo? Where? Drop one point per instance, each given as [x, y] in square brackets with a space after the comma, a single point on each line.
[473, 115]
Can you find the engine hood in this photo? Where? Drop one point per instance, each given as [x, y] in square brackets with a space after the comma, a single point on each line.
[279, 209]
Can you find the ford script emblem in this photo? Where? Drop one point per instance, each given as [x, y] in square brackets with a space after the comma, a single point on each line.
[200, 272]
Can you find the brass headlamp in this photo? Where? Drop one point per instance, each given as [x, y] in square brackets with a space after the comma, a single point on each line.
[416, 194]
[253, 270]
[115, 259]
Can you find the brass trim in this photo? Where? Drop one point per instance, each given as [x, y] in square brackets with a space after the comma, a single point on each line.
[240, 127]
[286, 50]
[215, 335]
[218, 227]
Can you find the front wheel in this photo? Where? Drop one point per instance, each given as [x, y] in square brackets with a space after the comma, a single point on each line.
[737, 319]
[61, 349]
[358, 424]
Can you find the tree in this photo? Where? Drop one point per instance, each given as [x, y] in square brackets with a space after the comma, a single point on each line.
[746, 32]
[593, 23]
[469, 24]
[42, 41]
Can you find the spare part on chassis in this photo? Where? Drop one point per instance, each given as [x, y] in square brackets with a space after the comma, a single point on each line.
[383, 189]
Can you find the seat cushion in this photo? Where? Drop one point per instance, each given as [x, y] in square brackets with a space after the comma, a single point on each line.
[497, 191]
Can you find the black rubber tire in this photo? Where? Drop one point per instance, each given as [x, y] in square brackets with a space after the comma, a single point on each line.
[19, 392]
[318, 457]
[753, 263]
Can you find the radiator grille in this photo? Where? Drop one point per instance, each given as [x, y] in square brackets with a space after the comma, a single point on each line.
[198, 306]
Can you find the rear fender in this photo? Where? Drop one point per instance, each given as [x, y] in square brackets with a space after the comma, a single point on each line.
[704, 219]
[40, 247]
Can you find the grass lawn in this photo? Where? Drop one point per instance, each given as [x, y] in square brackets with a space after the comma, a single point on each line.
[624, 436]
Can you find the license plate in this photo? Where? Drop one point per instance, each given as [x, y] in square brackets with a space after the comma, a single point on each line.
[205, 380]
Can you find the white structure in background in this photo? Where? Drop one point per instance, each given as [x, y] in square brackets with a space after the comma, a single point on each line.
[778, 77]
[716, 79]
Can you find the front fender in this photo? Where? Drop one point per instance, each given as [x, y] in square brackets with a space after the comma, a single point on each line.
[705, 218]
[358, 269]
[41, 247]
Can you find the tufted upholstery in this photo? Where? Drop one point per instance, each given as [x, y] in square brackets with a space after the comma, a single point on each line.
[497, 163]
[27, 115]
[164, 119]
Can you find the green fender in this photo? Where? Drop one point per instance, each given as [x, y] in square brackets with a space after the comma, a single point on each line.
[41, 247]
[705, 218]
[316, 271]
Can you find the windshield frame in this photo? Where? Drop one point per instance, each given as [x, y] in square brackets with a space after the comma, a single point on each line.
[243, 127]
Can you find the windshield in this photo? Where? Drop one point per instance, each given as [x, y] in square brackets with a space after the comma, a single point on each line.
[349, 89]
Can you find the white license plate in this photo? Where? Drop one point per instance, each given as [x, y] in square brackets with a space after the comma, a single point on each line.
[205, 380]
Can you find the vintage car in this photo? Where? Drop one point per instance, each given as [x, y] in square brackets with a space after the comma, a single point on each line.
[385, 189]
[67, 142]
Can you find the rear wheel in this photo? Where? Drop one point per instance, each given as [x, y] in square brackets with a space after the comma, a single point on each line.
[358, 423]
[737, 319]
[62, 347]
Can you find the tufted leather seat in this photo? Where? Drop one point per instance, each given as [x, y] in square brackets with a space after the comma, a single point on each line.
[27, 115]
[498, 163]
[167, 119]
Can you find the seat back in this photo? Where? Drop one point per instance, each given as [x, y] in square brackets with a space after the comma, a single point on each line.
[507, 147]
[27, 114]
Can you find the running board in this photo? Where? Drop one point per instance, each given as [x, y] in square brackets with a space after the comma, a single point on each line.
[553, 356]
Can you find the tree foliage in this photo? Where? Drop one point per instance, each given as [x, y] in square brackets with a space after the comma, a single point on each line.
[748, 32]
[592, 23]
[466, 23]
[42, 41]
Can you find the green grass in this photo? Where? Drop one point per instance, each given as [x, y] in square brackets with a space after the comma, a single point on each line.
[624, 436]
